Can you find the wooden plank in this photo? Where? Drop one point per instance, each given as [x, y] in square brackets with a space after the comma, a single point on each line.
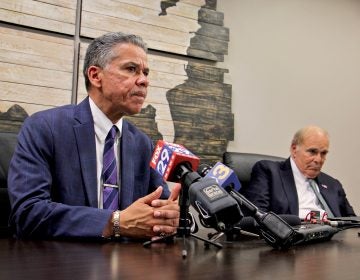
[29, 108]
[33, 94]
[170, 33]
[186, 9]
[41, 36]
[206, 131]
[39, 15]
[35, 76]
[139, 14]
[203, 146]
[12, 119]
[211, 16]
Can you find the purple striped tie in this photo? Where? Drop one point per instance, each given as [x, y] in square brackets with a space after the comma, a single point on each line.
[110, 194]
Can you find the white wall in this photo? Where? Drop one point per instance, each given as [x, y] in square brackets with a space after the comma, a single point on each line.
[293, 63]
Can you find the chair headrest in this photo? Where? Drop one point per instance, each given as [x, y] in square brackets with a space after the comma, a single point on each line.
[8, 141]
[242, 163]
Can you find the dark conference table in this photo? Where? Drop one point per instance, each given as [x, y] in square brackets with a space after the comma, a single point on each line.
[245, 259]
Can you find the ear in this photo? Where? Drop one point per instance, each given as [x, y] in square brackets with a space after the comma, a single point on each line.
[94, 75]
[293, 150]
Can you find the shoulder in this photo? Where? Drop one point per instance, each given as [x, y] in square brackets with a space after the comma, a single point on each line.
[127, 125]
[326, 179]
[138, 137]
[51, 115]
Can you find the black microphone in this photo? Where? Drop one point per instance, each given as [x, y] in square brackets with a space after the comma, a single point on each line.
[249, 224]
[274, 229]
[216, 208]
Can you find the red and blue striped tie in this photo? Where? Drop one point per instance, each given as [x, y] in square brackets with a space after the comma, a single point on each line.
[111, 189]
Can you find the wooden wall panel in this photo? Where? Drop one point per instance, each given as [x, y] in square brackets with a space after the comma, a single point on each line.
[167, 29]
[53, 15]
[35, 69]
[188, 102]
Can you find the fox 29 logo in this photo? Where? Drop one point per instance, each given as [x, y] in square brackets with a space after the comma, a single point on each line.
[163, 160]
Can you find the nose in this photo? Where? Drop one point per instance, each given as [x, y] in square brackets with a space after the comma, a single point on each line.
[142, 80]
[318, 157]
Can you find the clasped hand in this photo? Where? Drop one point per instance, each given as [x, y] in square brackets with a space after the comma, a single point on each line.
[151, 216]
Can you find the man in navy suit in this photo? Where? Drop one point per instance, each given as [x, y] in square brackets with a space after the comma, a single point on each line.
[55, 178]
[284, 187]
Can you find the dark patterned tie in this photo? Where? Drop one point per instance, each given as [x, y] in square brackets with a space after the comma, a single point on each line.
[111, 189]
[321, 199]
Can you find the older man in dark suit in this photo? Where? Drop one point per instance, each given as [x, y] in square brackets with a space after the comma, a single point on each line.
[64, 179]
[297, 186]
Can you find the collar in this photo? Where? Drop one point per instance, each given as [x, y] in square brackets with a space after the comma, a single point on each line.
[102, 124]
[298, 176]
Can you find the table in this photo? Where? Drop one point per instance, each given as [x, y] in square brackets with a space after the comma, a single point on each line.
[246, 259]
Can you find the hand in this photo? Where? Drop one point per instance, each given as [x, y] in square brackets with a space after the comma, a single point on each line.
[144, 220]
[167, 209]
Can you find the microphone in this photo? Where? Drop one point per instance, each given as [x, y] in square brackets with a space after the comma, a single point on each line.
[216, 208]
[223, 175]
[340, 224]
[274, 229]
[249, 223]
[172, 160]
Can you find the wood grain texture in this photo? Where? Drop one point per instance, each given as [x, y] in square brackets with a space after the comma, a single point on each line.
[57, 16]
[171, 30]
[188, 101]
[32, 71]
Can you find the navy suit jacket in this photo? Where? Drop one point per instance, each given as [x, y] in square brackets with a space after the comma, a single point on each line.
[272, 188]
[52, 176]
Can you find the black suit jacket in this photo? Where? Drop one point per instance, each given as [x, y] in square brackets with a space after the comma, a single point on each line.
[272, 188]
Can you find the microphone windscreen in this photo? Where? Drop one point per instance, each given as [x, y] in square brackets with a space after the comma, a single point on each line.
[292, 220]
[249, 223]
[168, 156]
[225, 176]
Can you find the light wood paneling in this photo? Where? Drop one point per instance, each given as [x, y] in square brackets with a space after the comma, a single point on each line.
[35, 68]
[55, 15]
[188, 101]
[180, 31]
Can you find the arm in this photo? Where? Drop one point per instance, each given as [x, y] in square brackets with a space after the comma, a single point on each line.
[346, 209]
[31, 184]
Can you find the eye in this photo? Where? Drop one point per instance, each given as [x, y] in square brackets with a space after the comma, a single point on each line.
[312, 151]
[323, 154]
[146, 72]
[132, 69]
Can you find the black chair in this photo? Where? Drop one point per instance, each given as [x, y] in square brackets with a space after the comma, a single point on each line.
[242, 164]
[8, 142]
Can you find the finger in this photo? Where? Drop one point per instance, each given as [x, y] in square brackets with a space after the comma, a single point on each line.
[169, 204]
[152, 196]
[164, 229]
[168, 214]
[175, 192]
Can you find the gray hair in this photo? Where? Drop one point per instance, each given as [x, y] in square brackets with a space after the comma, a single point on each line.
[100, 51]
[302, 133]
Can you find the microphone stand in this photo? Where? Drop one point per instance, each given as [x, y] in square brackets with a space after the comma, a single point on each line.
[184, 228]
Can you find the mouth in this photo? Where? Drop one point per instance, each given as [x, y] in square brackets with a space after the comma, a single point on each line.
[139, 95]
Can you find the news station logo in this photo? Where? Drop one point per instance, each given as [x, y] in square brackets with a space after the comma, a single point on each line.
[213, 192]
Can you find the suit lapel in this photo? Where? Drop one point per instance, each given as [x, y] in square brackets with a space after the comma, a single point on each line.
[289, 187]
[328, 196]
[127, 167]
[85, 139]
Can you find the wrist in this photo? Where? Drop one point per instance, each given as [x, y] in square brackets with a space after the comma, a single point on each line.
[115, 221]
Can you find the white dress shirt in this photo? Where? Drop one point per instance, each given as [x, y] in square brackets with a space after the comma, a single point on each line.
[102, 127]
[307, 199]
